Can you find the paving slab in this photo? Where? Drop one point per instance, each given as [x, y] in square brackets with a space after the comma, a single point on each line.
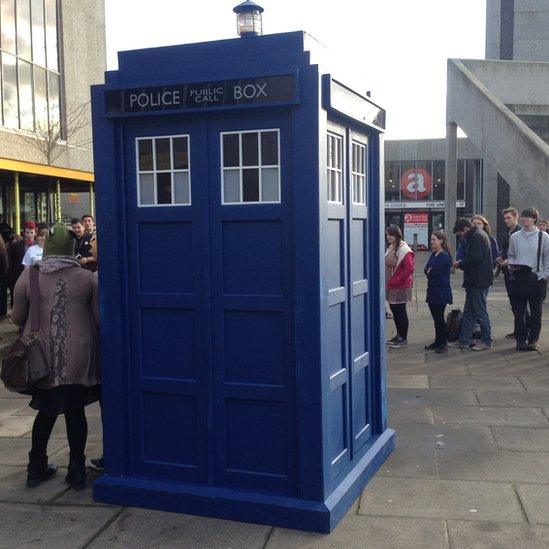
[15, 451]
[146, 528]
[47, 526]
[94, 449]
[518, 366]
[15, 426]
[410, 462]
[404, 381]
[527, 399]
[404, 415]
[485, 415]
[429, 368]
[536, 382]
[504, 466]
[359, 532]
[83, 498]
[11, 406]
[442, 499]
[496, 535]
[431, 397]
[446, 436]
[535, 499]
[522, 438]
[13, 488]
[475, 382]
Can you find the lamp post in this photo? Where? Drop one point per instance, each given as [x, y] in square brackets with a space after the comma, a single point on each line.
[248, 19]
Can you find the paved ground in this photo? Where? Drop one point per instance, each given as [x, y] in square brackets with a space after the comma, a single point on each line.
[471, 468]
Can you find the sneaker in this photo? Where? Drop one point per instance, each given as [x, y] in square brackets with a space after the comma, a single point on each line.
[532, 345]
[481, 346]
[441, 349]
[521, 346]
[400, 342]
[432, 347]
[458, 344]
[97, 463]
[392, 340]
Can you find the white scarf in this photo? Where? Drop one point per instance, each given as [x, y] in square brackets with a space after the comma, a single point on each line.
[401, 252]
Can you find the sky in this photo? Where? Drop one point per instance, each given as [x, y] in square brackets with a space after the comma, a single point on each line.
[397, 49]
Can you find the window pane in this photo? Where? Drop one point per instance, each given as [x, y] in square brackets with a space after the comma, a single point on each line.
[181, 188]
[38, 33]
[231, 154]
[250, 150]
[250, 185]
[23, 29]
[146, 188]
[145, 155]
[180, 154]
[231, 185]
[392, 181]
[269, 185]
[51, 34]
[40, 100]
[26, 111]
[438, 180]
[164, 188]
[163, 154]
[53, 97]
[269, 149]
[8, 25]
[9, 82]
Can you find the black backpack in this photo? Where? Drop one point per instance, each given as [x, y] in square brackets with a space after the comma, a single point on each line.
[454, 320]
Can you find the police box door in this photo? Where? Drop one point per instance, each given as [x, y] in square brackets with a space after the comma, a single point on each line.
[209, 254]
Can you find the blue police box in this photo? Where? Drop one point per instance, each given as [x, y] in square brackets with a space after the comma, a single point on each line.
[242, 296]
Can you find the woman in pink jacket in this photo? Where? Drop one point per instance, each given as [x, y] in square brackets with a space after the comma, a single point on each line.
[399, 279]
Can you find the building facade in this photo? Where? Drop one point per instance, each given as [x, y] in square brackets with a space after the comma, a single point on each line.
[415, 186]
[51, 52]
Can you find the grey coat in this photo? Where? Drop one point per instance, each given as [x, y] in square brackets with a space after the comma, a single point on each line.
[69, 319]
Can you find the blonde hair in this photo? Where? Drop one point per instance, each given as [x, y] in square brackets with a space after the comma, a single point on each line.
[484, 221]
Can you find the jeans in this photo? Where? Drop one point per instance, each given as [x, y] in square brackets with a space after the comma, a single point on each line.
[475, 309]
[401, 319]
[527, 326]
[441, 332]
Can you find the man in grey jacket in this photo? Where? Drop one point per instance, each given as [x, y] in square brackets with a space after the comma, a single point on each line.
[529, 271]
[478, 276]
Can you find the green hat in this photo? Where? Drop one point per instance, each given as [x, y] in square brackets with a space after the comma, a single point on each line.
[59, 241]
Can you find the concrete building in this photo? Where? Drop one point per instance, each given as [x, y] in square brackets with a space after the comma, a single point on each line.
[502, 105]
[51, 52]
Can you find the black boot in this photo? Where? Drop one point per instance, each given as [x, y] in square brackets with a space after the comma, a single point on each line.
[76, 476]
[38, 470]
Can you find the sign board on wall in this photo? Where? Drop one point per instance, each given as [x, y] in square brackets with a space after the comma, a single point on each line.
[415, 205]
[416, 183]
[416, 229]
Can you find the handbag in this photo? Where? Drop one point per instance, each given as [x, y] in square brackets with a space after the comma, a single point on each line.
[523, 279]
[24, 366]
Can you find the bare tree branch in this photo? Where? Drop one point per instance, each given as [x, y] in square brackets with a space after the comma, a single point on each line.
[49, 139]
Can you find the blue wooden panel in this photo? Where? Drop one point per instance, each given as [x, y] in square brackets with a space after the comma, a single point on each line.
[256, 437]
[254, 347]
[250, 268]
[169, 352]
[334, 239]
[169, 429]
[337, 408]
[161, 249]
[335, 325]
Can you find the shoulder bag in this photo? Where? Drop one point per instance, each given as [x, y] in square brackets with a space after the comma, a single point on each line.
[24, 366]
[523, 279]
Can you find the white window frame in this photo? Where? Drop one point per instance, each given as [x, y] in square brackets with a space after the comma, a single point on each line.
[241, 167]
[338, 169]
[154, 171]
[360, 192]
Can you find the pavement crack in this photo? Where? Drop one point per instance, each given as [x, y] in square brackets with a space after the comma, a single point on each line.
[96, 534]
[268, 538]
[521, 505]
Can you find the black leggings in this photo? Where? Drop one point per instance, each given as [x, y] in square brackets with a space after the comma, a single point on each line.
[77, 433]
[401, 319]
[441, 334]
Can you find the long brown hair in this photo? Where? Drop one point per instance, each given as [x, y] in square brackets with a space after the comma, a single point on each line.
[397, 233]
[441, 235]
[486, 225]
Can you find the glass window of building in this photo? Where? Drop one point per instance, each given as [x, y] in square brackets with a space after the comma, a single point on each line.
[392, 181]
[424, 180]
[250, 167]
[163, 171]
[30, 65]
[438, 179]
[461, 180]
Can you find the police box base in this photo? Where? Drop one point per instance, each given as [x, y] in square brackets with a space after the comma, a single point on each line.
[243, 506]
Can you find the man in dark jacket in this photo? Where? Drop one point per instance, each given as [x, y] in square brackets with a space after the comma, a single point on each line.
[477, 279]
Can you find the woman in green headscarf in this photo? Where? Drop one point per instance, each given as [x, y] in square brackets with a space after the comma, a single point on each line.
[69, 330]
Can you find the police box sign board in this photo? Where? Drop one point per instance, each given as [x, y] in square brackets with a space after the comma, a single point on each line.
[246, 91]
